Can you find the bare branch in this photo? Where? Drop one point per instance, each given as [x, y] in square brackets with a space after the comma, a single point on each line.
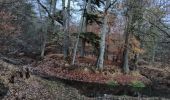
[163, 31]
[110, 5]
[45, 8]
[48, 12]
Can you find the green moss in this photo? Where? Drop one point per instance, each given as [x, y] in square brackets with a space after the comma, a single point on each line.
[137, 85]
[112, 83]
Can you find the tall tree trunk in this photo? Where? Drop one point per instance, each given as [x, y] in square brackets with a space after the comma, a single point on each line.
[102, 44]
[51, 3]
[103, 37]
[82, 51]
[82, 21]
[53, 12]
[128, 30]
[125, 54]
[54, 6]
[84, 28]
[66, 8]
[153, 53]
[88, 6]
[44, 32]
[39, 8]
[44, 35]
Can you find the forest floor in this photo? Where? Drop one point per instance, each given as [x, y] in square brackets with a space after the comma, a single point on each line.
[84, 71]
[49, 85]
[38, 88]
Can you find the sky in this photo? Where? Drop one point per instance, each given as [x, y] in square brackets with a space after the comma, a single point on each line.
[74, 5]
[77, 13]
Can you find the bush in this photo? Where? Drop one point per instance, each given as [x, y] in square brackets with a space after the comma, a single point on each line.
[112, 83]
[137, 85]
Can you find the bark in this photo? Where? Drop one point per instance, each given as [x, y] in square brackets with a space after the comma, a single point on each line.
[127, 32]
[45, 8]
[53, 12]
[125, 58]
[51, 2]
[44, 31]
[153, 53]
[106, 52]
[89, 6]
[126, 48]
[102, 45]
[54, 6]
[80, 30]
[39, 8]
[66, 27]
[44, 40]
[103, 37]
[84, 28]
[83, 43]
[129, 29]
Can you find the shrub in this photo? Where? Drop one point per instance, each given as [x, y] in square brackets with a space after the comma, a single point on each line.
[112, 83]
[137, 85]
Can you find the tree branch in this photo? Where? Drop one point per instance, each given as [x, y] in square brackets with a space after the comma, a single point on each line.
[110, 5]
[45, 8]
[164, 25]
[48, 12]
[163, 31]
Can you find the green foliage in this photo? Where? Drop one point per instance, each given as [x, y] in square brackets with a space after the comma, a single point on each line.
[137, 85]
[112, 83]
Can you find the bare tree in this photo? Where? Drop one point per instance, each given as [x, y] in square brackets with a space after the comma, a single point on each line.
[103, 36]
[87, 10]
[66, 7]
[82, 21]
[44, 31]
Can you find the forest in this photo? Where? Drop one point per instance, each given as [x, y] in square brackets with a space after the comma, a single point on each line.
[84, 49]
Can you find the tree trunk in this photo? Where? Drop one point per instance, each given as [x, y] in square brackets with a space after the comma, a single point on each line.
[102, 45]
[153, 53]
[128, 27]
[126, 49]
[54, 6]
[83, 42]
[39, 8]
[66, 27]
[53, 12]
[44, 35]
[103, 37]
[84, 28]
[80, 30]
[51, 3]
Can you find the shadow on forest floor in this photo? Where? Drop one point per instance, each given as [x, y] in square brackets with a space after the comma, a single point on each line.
[3, 90]
[100, 90]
